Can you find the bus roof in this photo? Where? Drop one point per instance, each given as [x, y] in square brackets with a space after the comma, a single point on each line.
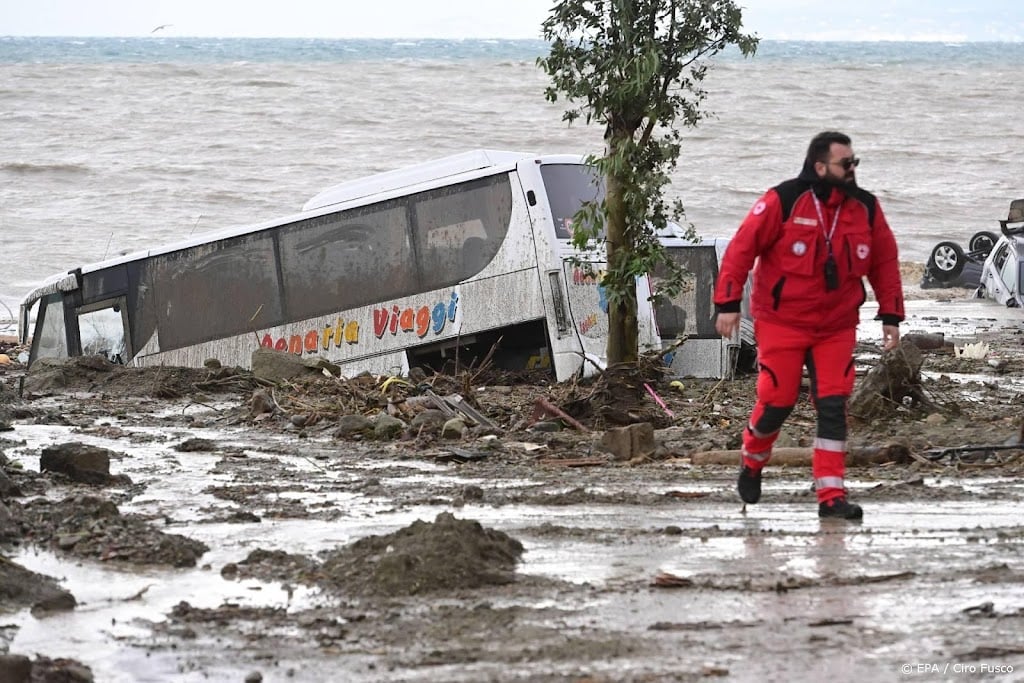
[389, 181]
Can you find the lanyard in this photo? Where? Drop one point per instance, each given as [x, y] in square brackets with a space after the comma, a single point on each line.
[821, 219]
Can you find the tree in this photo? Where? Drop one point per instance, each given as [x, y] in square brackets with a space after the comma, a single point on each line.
[636, 66]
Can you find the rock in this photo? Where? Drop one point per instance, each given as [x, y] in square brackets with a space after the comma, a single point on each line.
[631, 441]
[277, 366]
[9, 529]
[431, 420]
[454, 428]
[80, 462]
[60, 670]
[56, 601]
[22, 587]
[15, 669]
[195, 444]
[387, 427]
[8, 489]
[349, 425]
[254, 677]
[472, 492]
[261, 403]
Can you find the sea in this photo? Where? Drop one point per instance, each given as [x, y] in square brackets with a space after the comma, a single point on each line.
[114, 145]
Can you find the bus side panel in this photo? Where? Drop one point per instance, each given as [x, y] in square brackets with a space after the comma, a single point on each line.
[354, 338]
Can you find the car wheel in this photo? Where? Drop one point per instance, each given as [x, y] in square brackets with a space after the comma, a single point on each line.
[983, 241]
[946, 261]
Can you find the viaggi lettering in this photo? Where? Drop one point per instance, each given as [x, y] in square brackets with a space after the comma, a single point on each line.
[394, 319]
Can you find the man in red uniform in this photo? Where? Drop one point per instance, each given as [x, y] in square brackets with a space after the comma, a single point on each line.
[811, 241]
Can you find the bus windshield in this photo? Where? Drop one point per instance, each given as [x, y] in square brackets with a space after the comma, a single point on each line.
[569, 187]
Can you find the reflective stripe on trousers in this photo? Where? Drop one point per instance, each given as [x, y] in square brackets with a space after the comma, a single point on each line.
[828, 483]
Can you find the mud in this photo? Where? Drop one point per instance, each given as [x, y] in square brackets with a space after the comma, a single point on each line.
[243, 538]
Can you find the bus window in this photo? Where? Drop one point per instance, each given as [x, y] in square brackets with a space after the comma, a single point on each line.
[569, 187]
[460, 228]
[50, 339]
[101, 332]
[215, 290]
[345, 260]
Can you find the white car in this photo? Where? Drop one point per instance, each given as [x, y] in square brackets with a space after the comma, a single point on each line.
[1002, 274]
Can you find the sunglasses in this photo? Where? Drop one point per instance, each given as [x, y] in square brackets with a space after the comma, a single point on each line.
[847, 164]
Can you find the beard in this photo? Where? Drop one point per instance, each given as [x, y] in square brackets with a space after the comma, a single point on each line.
[847, 179]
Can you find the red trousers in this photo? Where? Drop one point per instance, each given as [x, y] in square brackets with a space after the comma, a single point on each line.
[782, 353]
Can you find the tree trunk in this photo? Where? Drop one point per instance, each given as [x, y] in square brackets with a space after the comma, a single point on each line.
[623, 332]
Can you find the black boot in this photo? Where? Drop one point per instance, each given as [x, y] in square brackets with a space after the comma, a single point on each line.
[840, 508]
[749, 485]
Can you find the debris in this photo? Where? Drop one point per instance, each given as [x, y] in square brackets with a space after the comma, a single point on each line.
[978, 451]
[686, 494]
[668, 580]
[573, 462]
[424, 557]
[527, 446]
[457, 402]
[543, 408]
[802, 456]
[455, 428]
[454, 404]
[626, 443]
[830, 622]
[460, 455]
[883, 388]
[657, 398]
[976, 350]
[985, 608]
[926, 341]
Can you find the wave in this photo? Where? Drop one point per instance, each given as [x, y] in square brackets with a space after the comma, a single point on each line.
[25, 168]
[265, 84]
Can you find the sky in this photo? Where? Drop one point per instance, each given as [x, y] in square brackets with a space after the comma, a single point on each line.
[939, 20]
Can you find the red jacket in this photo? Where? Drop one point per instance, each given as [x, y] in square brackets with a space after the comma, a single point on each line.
[788, 250]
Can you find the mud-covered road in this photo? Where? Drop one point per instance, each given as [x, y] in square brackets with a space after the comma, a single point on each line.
[245, 532]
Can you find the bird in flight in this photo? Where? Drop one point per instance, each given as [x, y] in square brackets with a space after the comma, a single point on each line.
[161, 26]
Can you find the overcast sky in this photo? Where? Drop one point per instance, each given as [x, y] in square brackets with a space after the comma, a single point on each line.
[943, 20]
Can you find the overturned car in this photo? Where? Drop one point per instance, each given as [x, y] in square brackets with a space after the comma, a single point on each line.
[992, 264]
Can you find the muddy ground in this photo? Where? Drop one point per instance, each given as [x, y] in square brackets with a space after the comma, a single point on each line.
[171, 524]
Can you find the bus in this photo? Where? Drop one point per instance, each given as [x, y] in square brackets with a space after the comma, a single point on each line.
[462, 258]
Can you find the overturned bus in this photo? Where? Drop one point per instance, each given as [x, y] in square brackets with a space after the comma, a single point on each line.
[464, 257]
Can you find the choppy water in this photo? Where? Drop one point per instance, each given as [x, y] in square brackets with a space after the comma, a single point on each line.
[111, 145]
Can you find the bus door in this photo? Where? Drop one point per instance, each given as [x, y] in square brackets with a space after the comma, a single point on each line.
[576, 302]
